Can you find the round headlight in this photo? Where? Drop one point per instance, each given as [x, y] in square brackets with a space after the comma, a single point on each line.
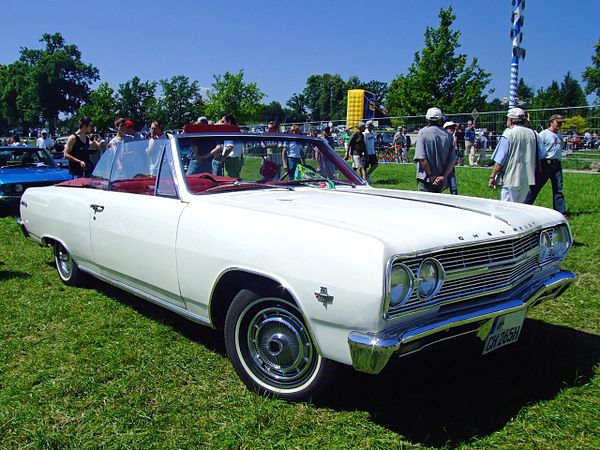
[545, 246]
[18, 187]
[401, 284]
[430, 275]
[560, 241]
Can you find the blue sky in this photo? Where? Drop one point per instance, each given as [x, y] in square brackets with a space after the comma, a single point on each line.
[279, 44]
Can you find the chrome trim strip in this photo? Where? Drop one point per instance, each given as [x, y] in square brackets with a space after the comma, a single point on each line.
[458, 299]
[492, 267]
[370, 352]
[151, 298]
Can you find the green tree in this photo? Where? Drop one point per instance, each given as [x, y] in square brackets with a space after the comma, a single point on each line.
[100, 107]
[571, 92]
[273, 111]
[577, 123]
[135, 100]
[438, 76]
[525, 92]
[14, 94]
[548, 98]
[58, 81]
[230, 94]
[296, 105]
[495, 105]
[379, 88]
[591, 75]
[180, 103]
[325, 97]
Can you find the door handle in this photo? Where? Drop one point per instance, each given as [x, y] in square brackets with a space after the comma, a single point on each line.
[97, 208]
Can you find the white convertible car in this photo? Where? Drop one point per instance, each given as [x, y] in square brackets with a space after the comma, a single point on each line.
[299, 261]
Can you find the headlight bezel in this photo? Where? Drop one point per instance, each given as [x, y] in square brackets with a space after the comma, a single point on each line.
[440, 276]
[545, 244]
[561, 241]
[410, 288]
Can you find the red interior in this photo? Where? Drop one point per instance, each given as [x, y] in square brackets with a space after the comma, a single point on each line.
[144, 186]
[197, 183]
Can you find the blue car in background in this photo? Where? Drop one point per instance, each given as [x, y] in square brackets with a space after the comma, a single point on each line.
[23, 167]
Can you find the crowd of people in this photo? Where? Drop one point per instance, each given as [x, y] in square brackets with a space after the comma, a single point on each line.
[523, 160]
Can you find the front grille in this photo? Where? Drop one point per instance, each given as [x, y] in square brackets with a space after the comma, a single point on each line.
[479, 270]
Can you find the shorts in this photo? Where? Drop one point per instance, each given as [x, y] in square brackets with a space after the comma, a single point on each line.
[357, 161]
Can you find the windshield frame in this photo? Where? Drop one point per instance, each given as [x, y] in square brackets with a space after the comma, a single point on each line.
[350, 177]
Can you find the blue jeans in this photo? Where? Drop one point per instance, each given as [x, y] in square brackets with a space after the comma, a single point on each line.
[217, 167]
[551, 170]
[291, 164]
[199, 167]
[452, 185]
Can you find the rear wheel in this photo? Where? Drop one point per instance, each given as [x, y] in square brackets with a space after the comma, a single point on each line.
[272, 349]
[67, 270]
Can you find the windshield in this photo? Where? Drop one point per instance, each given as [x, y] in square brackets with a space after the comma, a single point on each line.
[24, 156]
[213, 163]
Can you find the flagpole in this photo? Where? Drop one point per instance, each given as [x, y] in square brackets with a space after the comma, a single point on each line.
[516, 34]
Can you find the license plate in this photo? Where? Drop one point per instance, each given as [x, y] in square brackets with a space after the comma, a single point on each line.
[505, 330]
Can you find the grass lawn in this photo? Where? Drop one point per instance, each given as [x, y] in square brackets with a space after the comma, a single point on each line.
[97, 368]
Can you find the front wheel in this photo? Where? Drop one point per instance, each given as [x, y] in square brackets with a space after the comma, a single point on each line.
[271, 348]
[67, 270]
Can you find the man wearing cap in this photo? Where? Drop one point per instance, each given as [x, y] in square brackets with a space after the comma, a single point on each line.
[434, 153]
[551, 166]
[130, 130]
[371, 158]
[44, 141]
[202, 120]
[356, 148]
[515, 158]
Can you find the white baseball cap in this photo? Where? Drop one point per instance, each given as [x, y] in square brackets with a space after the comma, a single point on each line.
[434, 114]
[516, 113]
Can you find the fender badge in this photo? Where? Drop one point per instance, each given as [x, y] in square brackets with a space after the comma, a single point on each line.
[324, 297]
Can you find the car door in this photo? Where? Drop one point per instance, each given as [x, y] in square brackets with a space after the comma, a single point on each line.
[134, 225]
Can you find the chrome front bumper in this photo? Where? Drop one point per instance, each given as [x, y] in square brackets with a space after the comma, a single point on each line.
[370, 352]
[21, 224]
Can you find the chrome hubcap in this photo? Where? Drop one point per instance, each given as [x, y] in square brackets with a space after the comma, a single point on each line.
[278, 346]
[64, 262]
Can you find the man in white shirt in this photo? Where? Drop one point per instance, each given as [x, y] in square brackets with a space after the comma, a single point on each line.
[551, 166]
[44, 141]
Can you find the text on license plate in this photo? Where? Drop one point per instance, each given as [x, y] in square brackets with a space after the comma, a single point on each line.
[505, 330]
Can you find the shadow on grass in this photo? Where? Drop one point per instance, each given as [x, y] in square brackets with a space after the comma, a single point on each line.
[10, 274]
[9, 210]
[449, 394]
[208, 337]
[386, 182]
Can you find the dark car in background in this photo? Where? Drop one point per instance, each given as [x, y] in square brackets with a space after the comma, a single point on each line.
[24, 167]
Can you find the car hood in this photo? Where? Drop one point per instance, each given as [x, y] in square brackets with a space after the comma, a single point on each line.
[33, 174]
[413, 220]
